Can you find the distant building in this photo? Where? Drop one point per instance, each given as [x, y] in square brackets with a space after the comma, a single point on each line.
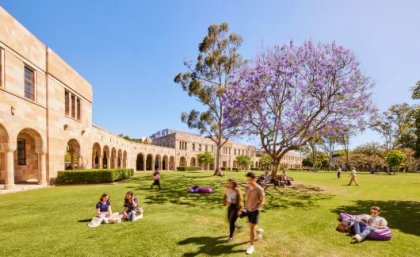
[46, 121]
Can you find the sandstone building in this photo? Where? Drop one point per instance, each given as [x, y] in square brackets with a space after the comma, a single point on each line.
[46, 120]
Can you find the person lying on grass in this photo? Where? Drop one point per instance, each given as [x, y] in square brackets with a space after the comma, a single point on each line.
[372, 222]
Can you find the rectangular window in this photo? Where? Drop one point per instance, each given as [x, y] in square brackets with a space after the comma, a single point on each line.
[78, 108]
[206, 148]
[182, 145]
[73, 106]
[67, 102]
[29, 83]
[199, 147]
[193, 146]
[21, 151]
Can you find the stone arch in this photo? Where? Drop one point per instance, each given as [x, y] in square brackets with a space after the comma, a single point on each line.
[182, 161]
[119, 159]
[172, 163]
[113, 158]
[165, 163]
[125, 159]
[158, 162]
[149, 162]
[105, 157]
[72, 157]
[29, 157]
[96, 156]
[140, 162]
[193, 162]
[4, 148]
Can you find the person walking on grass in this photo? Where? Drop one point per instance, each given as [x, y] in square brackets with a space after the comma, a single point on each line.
[339, 173]
[233, 199]
[353, 177]
[255, 200]
[156, 178]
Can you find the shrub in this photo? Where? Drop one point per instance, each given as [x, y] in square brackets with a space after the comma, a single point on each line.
[187, 168]
[91, 176]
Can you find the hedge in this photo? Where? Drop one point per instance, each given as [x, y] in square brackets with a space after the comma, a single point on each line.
[91, 176]
[186, 168]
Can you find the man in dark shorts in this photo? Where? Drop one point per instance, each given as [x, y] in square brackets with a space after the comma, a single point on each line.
[254, 203]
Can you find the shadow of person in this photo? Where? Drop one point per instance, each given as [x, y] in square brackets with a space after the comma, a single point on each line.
[85, 220]
[401, 215]
[212, 246]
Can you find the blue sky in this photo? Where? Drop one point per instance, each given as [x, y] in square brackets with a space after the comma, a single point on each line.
[131, 50]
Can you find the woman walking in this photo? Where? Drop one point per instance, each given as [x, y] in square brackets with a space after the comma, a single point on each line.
[232, 198]
[156, 178]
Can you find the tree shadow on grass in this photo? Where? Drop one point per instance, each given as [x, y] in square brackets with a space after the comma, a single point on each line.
[401, 215]
[212, 246]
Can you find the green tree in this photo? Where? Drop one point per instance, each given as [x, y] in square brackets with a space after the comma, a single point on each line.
[321, 160]
[416, 96]
[396, 125]
[205, 159]
[243, 161]
[369, 149]
[206, 81]
[395, 158]
[266, 161]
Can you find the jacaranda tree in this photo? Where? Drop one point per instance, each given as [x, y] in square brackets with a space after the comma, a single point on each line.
[289, 93]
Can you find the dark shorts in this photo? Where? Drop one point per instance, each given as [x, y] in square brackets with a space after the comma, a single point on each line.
[252, 216]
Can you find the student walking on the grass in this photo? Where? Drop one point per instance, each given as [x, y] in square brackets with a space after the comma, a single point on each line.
[254, 203]
[233, 198]
[353, 177]
[156, 178]
[339, 172]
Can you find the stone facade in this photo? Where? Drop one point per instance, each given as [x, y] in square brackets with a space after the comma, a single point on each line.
[46, 119]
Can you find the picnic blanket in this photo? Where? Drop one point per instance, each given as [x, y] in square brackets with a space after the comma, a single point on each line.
[105, 218]
[378, 234]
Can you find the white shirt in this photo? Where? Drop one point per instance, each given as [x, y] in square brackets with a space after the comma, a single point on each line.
[232, 196]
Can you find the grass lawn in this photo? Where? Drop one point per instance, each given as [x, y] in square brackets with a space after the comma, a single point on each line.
[297, 222]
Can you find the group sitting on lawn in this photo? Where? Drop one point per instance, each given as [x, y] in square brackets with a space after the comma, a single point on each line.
[365, 226]
[274, 179]
[104, 214]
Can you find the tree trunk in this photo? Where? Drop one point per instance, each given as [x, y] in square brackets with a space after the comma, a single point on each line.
[275, 166]
[217, 170]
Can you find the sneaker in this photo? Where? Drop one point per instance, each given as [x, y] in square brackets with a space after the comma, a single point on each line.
[250, 249]
[358, 238]
[229, 240]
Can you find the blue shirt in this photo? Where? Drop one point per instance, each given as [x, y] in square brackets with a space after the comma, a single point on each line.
[103, 207]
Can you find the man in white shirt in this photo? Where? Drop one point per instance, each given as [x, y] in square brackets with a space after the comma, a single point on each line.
[372, 222]
[353, 177]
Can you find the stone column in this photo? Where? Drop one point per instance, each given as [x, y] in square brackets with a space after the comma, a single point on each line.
[43, 166]
[10, 165]
[161, 163]
[144, 163]
[100, 161]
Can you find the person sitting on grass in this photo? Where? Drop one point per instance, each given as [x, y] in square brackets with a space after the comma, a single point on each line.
[372, 222]
[103, 207]
[284, 179]
[131, 206]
